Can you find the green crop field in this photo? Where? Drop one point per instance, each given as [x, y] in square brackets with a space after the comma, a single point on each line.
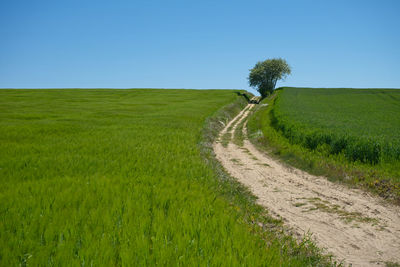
[353, 127]
[117, 177]
[364, 124]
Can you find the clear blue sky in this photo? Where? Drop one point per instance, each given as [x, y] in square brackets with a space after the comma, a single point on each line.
[197, 44]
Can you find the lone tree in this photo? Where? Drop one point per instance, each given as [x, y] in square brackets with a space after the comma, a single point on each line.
[266, 73]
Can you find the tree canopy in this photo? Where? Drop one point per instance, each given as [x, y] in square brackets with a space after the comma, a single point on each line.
[265, 74]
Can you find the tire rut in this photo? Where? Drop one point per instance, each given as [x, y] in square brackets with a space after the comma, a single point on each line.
[354, 226]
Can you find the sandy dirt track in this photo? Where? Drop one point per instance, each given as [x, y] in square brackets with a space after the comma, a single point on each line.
[354, 226]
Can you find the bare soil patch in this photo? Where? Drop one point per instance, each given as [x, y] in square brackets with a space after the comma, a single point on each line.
[353, 225]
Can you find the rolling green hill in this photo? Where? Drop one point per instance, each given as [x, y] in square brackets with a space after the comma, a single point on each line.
[364, 124]
[116, 177]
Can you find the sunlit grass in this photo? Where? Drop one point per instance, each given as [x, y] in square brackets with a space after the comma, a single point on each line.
[116, 177]
[346, 134]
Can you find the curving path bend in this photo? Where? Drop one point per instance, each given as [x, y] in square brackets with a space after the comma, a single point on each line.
[354, 226]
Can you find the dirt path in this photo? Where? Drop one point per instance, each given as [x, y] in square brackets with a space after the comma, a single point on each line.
[351, 224]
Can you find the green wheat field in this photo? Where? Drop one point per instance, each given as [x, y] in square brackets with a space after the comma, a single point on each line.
[348, 134]
[117, 178]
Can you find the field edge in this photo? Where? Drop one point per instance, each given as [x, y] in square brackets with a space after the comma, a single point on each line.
[267, 139]
[254, 215]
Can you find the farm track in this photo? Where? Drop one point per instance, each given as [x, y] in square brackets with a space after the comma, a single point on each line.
[354, 226]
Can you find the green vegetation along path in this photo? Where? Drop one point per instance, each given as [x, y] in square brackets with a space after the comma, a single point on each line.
[108, 177]
[351, 224]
